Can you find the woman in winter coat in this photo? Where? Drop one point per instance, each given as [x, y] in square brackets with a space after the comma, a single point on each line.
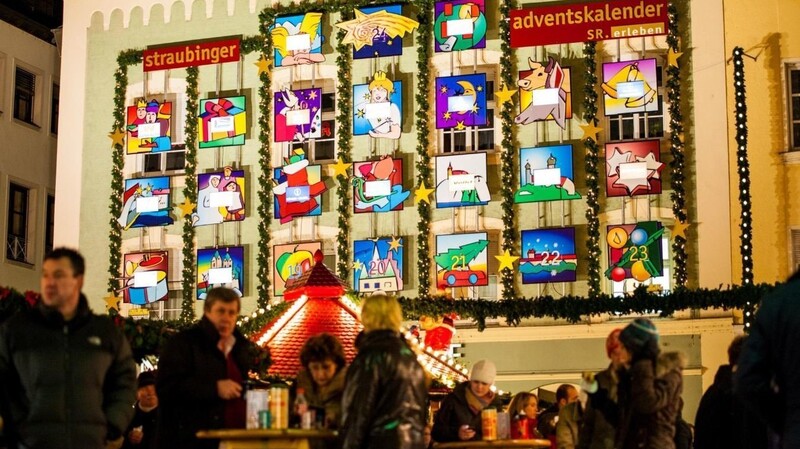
[385, 396]
[322, 378]
[459, 417]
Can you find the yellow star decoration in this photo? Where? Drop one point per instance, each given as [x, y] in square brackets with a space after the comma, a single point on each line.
[395, 243]
[186, 208]
[263, 65]
[679, 229]
[117, 137]
[112, 301]
[361, 113]
[443, 89]
[506, 260]
[340, 168]
[590, 131]
[460, 126]
[357, 265]
[447, 115]
[422, 194]
[504, 95]
[672, 57]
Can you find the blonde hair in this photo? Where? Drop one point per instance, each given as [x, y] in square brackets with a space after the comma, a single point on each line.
[381, 312]
[520, 401]
[380, 80]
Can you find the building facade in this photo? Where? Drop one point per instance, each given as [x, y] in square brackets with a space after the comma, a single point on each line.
[94, 35]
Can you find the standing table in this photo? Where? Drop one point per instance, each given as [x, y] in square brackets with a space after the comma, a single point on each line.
[265, 438]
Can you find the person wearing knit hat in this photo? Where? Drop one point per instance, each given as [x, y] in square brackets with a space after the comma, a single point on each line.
[141, 433]
[640, 338]
[597, 431]
[459, 416]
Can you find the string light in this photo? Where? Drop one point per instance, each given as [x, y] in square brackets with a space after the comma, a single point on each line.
[592, 163]
[746, 245]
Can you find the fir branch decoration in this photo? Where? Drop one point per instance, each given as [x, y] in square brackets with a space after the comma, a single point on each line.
[117, 185]
[592, 164]
[190, 192]
[423, 164]
[746, 226]
[507, 156]
[344, 147]
[677, 175]
[266, 19]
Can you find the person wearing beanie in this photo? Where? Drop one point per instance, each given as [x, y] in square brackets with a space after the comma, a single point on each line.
[459, 416]
[597, 431]
[649, 391]
[141, 433]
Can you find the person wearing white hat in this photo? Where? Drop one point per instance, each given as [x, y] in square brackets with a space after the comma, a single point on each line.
[459, 417]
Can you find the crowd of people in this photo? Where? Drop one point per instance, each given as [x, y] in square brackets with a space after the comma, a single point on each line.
[68, 380]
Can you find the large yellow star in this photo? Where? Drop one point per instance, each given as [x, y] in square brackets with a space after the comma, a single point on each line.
[503, 95]
[340, 168]
[422, 194]
[117, 137]
[395, 243]
[460, 126]
[186, 208]
[679, 229]
[112, 301]
[672, 57]
[590, 131]
[263, 65]
[506, 260]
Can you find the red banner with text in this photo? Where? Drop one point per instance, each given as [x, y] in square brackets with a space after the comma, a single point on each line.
[191, 54]
[581, 22]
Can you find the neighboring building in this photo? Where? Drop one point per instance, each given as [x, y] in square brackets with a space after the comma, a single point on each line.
[536, 353]
[29, 107]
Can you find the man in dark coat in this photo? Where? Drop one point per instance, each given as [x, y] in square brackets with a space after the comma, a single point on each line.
[200, 375]
[67, 376]
[385, 396]
[722, 421]
[459, 416]
[768, 374]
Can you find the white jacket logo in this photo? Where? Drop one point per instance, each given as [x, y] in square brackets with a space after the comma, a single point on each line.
[94, 340]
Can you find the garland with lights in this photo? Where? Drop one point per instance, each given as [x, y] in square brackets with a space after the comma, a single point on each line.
[507, 156]
[124, 60]
[344, 147]
[746, 227]
[422, 123]
[189, 192]
[677, 176]
[592, 164]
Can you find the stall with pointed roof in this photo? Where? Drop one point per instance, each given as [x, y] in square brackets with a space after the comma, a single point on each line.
[319, 304]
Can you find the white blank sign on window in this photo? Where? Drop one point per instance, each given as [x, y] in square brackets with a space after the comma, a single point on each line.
[547, 177]
[630, 89]
[146, 204]
[298, 42]
[458, 27]
[377, 110]
[381, 187]
[545, 97]
[221, 199]
[459, 183]
[222, 124]
[298, 117]
[149, 130]
[220, 275]
[460, 103]
[145, 279]
[633, 170]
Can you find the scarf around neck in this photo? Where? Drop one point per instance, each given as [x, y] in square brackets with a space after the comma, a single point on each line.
[475, 403]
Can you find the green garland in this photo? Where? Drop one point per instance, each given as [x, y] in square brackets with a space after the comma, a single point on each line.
[266, 19]
[344, 144]
[592, 165]
[423, 164]
[746, 227]
[190, 192]
[508, 156]
[677, 178]
[124, 60]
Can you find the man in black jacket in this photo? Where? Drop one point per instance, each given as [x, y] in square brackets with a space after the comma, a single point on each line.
[200, 375]
[67, 376]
